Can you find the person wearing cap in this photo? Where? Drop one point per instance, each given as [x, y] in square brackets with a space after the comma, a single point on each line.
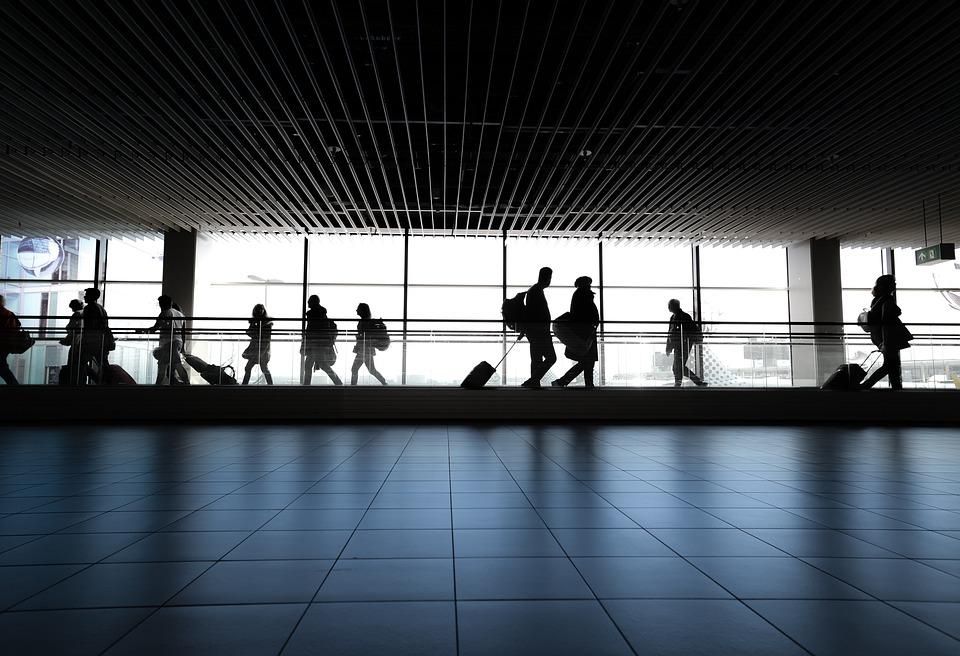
[170, 326]
[584, 319]
[887, 332]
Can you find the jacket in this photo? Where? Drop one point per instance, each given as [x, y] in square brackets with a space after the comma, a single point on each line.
[585, 318]
[887, 331]
[536, 314]
[683, 329]
[260, 333]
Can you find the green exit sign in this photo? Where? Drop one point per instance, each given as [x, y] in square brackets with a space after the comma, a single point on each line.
[934, 254]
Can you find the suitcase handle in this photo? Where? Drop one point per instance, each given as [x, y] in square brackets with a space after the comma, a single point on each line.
[500, 361]
[876, 352]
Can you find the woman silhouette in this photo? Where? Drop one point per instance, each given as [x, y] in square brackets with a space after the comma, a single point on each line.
[364, 347]
[258, 351]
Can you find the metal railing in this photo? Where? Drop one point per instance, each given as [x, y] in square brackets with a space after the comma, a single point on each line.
[440, 352]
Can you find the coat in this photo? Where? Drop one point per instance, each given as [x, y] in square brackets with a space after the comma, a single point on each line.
[887, 331]
[260, 332]
[585, 318]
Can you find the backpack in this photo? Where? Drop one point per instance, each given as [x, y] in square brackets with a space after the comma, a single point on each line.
[695, 332]
[330, 333]
[513, 310]
[378, 336]
[863, 320]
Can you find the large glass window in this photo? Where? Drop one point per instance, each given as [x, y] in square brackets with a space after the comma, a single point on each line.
[741, 285]
[346, 270]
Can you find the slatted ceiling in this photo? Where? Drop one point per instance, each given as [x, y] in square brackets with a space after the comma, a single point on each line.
[712, 121]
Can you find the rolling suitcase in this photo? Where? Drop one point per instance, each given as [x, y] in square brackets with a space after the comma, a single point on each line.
[212, 373]
[849, 376]
[114, 374]
[482, 373]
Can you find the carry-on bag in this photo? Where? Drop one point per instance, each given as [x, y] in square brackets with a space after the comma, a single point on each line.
[849, 376]
[481, 374]
[212, 373]
[114, 374]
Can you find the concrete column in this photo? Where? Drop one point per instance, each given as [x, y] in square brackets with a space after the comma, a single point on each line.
[180, 267]
[815, 296]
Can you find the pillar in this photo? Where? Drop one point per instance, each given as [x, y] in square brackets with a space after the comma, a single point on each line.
[180, 267]
[815, 295]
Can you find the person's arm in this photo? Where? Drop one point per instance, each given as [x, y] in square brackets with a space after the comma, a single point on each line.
[157, 325]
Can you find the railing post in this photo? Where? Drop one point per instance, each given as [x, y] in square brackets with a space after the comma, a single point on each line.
[503, 375]
[305, 286]
[602, 345]
[406, 282]
[697, 303]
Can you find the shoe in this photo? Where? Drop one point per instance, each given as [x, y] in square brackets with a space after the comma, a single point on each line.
[678, 384]
[702, 383]
[530, 384]
[558, 383]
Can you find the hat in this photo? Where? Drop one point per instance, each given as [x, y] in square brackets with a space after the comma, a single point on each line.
[583, 281]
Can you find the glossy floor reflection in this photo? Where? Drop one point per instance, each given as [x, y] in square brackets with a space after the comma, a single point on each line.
[480, 540]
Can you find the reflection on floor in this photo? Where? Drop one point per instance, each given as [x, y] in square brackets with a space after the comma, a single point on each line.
[480, 540]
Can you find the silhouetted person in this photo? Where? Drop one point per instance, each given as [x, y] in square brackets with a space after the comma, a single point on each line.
[258, 351]
[537, 329]
[97, 340]
[74, 333]
[319, 343]
[171, 328]
[584, 318]
[887, 332]
[9, 329]
[682, 334]
[364, 348]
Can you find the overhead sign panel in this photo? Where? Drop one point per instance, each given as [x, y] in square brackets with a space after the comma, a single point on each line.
[934, 254]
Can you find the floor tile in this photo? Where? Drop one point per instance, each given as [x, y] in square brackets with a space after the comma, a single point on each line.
[333, 500]
[222, 520]
[116, 585]
[235, 630]
[537, 628]
[585, 518]
[496, 518]
[774, 578]
[412, 500]
[389, 580]
[141, 521]
[697, 626]
[239, 501]
[714, 542]
[762, 518]
[506, 542]
[911, 544]
[287, 545]
[40, 523]
[180, 547]
[256, 582]
[67, 632]
[397, 543]
[826, 543]
[949, 566]
[610, 542]
[490, 500]
[893, 579]
[424, 628]
[406, 518]
[687, 517]
[944, 616]
[325, 519]
[519, 578]
[848, 628]
[66, 549]
[19, 583]
[644, 500]
[638, 578]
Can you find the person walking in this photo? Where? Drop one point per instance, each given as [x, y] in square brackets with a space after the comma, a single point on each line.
[170, 326]
[9, 329]
[584, 319]
[97, 340]
[257, 352]
[73, 333]
[887, 332]
[682, 333]
[319, 343]
[365, 348]
[537, 330]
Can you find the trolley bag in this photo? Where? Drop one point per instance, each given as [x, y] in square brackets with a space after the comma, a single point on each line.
[565, 330]
[849, 376]
[481, 374]
[212, 373]
[114, 374]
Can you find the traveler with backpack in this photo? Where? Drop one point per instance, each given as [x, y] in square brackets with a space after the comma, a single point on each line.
[682, 334]
[887, 332]
[536, 326]
[319, 343]
[257, 352]
[584, 319]
[371, 334]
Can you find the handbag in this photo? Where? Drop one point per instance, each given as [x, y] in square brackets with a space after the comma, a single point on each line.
[20, 343]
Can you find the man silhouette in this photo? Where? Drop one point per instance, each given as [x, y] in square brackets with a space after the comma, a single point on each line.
[682, 334]
[170, 325]
[537, 329]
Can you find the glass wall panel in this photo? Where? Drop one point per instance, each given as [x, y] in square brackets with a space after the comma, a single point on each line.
[860, 267]
[647, 266]
[739, 266]
[135, 260]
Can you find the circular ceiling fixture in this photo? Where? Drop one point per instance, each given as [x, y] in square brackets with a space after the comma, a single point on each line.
[40, 257]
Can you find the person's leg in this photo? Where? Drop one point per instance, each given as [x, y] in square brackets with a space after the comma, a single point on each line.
[687, 371]
[549, 357]
[334, 378]
[266, 373]
[568, 377]
[878, 373]
[588, 374]
[894, 372]
[246, 372]
[306, 370]
[6, 373]
[678, 367]
[372, 368]
[355, 369]
[542, 357]
[535, 358]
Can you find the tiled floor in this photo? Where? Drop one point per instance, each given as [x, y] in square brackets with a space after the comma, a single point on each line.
[479, 540]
